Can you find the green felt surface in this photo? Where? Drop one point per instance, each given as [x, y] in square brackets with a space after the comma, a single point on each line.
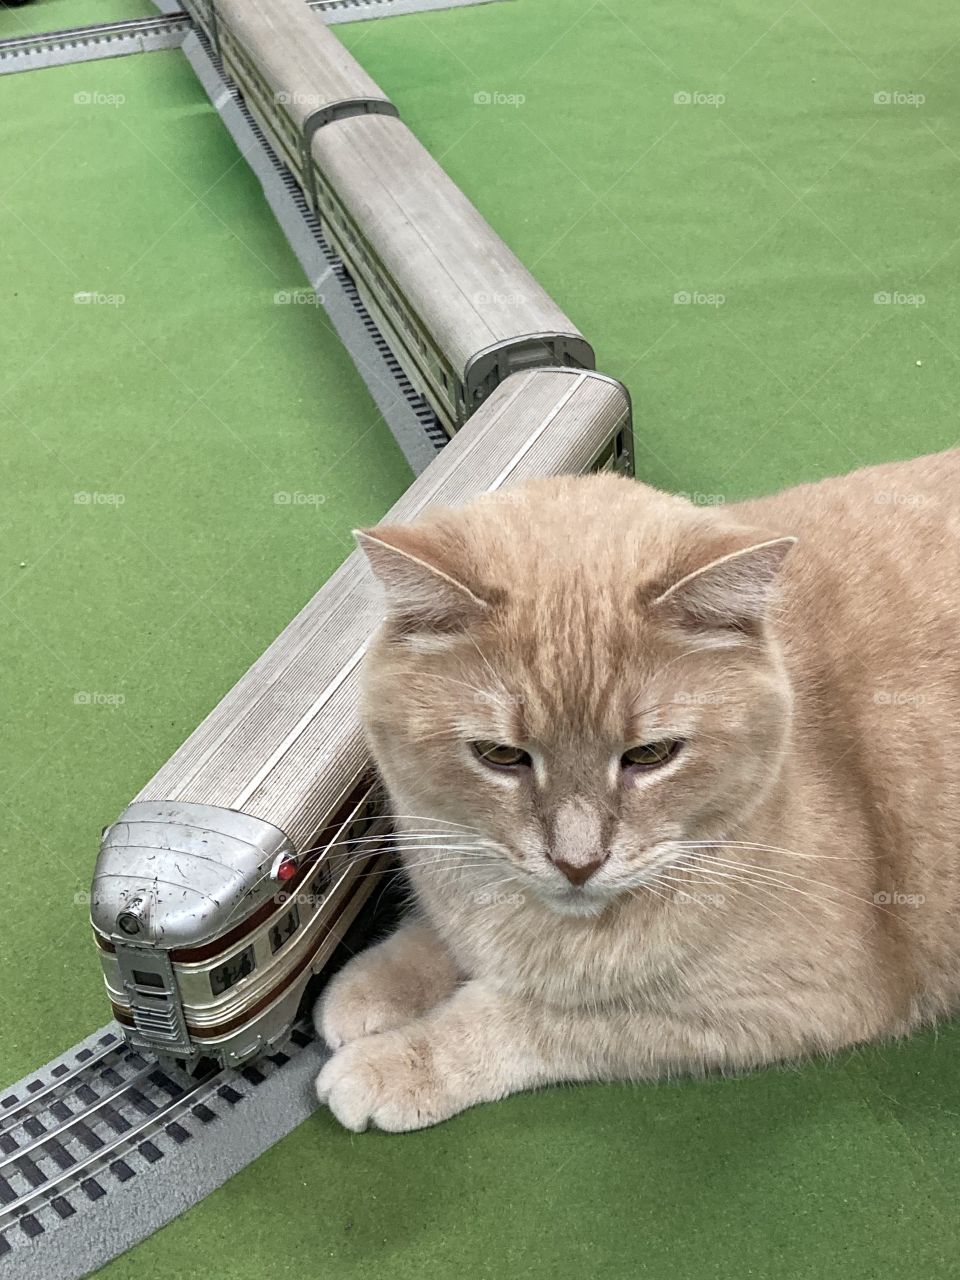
[62, 15]
[144, 561]
[798, 199]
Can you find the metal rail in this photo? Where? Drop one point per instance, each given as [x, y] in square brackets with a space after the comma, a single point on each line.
[103, 1120]
[84, 44]
[64, 1084]
[168, 30]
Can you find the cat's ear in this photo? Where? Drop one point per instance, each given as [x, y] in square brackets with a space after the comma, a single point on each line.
[731, 592]
[421, 578]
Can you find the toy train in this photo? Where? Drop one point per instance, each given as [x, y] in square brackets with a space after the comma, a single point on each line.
[457, 308]
[233, 874]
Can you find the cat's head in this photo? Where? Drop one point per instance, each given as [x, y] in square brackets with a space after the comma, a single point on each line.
[579, 674]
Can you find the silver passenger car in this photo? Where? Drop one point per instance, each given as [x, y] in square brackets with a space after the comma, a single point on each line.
[233, 874]
[457, 308]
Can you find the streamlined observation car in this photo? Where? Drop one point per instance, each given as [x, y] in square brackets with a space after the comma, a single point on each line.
[231, 876]
[458, 309]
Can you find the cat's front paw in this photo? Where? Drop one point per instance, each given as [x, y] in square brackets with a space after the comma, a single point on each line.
[392, 1081]
[360, 1001]
[385, 987]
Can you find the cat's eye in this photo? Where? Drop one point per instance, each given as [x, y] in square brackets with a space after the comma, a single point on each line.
[651, 755]
[500, 755]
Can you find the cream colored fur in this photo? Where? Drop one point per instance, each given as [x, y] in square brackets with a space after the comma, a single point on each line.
[787, 884]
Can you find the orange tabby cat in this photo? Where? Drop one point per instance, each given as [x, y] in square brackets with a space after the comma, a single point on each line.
[673, 793]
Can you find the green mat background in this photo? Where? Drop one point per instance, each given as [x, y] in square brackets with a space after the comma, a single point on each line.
[61, 15]
[798, 199]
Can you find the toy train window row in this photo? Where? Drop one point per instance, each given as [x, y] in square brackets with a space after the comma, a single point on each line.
[236, 55]
[262, 101]
[443, 386]
[242, 964]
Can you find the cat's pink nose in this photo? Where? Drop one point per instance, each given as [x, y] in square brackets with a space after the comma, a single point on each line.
[578, 873]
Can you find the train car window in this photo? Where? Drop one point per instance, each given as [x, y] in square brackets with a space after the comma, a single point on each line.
[231, 971]
[284, 929]
[321, 884]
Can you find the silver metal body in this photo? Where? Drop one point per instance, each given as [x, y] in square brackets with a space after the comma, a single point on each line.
[279, 769]
[86, 44]
[294, 74]
[458, 309]
[204, 952]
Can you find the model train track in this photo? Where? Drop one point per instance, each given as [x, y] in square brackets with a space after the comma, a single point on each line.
[105, 1145]
[167, 31]
[84, 44]
[100, 1117]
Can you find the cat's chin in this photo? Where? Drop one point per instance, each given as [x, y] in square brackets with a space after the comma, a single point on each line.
[577, 903]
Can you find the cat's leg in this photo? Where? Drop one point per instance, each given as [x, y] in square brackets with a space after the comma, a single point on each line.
[477, 1046]
[481, 1045]
[387, 985]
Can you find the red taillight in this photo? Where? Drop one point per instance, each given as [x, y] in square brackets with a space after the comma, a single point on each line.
[285, 869]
